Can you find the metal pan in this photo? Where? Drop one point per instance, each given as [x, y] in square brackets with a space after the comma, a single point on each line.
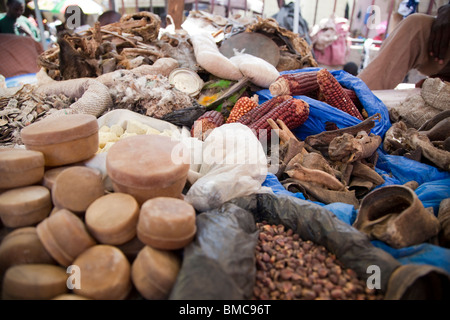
[254, 43]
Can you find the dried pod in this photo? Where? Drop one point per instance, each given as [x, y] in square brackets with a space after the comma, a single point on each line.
[289, 269]
[337, 294]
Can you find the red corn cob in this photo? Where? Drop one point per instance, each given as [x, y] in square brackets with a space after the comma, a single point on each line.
[352, 95]
[256, 113]
[293, 113]
[335, 95]
[205, 123]
[300, 83]
[241, 107]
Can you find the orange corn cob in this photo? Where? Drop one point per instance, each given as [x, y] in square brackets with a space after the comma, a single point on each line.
[256, 113]
[205, 123]
[293, 113]
[241, 107]
[335, 95]
[300, 83]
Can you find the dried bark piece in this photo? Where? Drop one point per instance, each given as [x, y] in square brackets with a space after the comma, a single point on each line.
[440, 158]
[365, 172]
[321, 194]
[348, 148]
[287, 152]
[322, 140]
[311, 175]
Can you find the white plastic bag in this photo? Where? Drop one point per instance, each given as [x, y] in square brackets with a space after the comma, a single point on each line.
[234, 165]
[211, 59]
[259, 71]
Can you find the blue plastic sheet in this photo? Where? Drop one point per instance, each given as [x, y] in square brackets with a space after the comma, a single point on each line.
[404, 169]
[434, 184]
[320, 112]
[424, 253]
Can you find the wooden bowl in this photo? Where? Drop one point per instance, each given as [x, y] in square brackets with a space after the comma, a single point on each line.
[166, 223]
[20, 167]
[25, 206]
[63, 140]
[34, 282]
[154, 272]
[22, 246]
[105, 272]
[75, 188]
[148, 166]
[50, 176]
[64, 236]
[112, 218]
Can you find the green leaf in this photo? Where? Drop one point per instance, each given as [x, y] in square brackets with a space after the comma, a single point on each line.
[223, 84]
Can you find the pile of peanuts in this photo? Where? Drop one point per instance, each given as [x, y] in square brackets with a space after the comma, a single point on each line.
[288, 268]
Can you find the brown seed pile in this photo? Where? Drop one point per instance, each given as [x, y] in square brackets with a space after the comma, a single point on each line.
[288, 268]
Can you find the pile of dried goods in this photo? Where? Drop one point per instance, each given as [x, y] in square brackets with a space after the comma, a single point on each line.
[289, 268]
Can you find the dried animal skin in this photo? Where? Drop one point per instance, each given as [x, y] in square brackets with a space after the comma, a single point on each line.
[316, 161]
[440, 131]
[348, 148]
[321, 194]
[394, 138]
[414, 111]
[436, 93]
[401, 137]
[121, 41]
[435, 120]
[149, 31]
[178, 47]
[440, 158]
[362, 171]
[310, 175]
[322, 140]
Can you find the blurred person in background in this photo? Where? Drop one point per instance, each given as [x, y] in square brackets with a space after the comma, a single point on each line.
[404, 8]
[14, 22]
[18, 55]
[419, 42]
